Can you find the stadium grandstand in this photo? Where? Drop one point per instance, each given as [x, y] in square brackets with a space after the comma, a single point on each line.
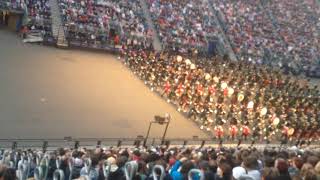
[236, 81]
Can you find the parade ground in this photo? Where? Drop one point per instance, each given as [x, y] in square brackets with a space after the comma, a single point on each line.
[47, 92]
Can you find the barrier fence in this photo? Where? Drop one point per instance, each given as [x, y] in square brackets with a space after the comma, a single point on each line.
[74, 143]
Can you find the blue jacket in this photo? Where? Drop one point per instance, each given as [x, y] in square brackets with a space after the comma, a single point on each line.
[176, 175]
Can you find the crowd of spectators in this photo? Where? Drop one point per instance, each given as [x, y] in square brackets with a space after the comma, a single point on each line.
[105, 22]
[168, 163]
[183, 23]
[232, 99]
[12, 4]
[39, 15]
[298, 25]
[251, 31]
[279, 33]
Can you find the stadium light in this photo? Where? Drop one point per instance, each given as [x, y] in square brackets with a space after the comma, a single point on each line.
[161, 121]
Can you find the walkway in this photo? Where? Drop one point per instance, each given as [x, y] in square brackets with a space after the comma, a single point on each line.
[57, 28]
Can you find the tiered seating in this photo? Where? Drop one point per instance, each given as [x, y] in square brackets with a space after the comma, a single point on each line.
[281, 33]
[251, 31]
[183, 23]
[298, 23]
[40, 17]
[133, 21]
[13, 5]
[95, 22]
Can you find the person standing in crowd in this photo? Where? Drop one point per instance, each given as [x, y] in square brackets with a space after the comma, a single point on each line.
[247, 170]
[205, 168]
[270, 173]
[24, 32]
[7, 173]
[282, 166]
[6, 18]
[317, 169]
[295, 166]
[181, 174]
[1, 18]
[116, 40]
[224, 171]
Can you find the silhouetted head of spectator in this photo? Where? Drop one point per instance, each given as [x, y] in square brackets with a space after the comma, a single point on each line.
[142, 167]
[250, 162]
[310, 174]
[283, 155]
[186, 167]
[94, 160]
[297, 162]
[270, 173]
[61, 151]
[305, 168]
[121, 161]
[268, 161]
[313, 160]
[244, 154]
[317, 168]
[213, 166]
[282, 166]
[125, 153]
[204, 165]
[153, 157]
[136, 155]
[224, 170]
[7, 173]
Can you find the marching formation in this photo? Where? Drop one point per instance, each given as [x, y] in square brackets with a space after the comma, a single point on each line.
[232, 99]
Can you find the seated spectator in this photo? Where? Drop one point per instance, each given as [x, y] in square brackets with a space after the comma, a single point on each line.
[296, 165]
[282, 167]
[317, 169]
[248, 170]
[305, 170]
[224, 171]
[7, 173]
[313, 160]
[270, 173]
[205, 168]
[185, 164]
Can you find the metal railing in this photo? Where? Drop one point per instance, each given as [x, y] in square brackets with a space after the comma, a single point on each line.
[7, 5]
[74, 143]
